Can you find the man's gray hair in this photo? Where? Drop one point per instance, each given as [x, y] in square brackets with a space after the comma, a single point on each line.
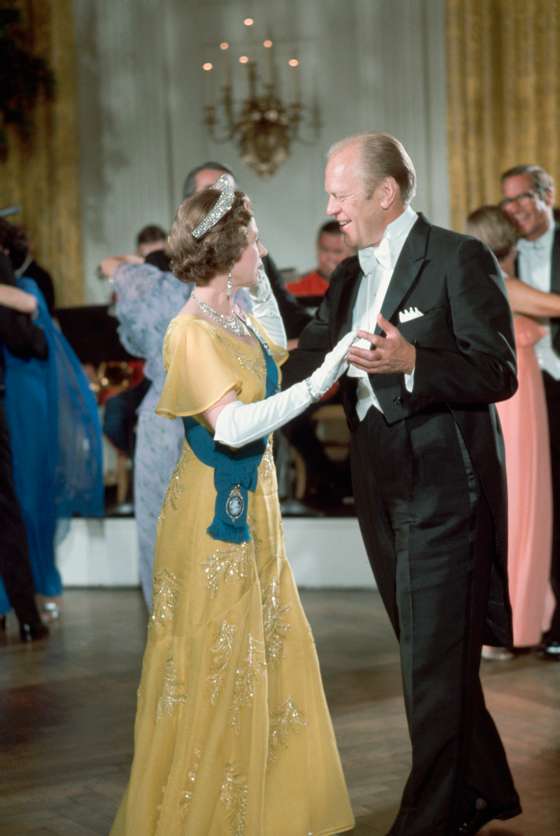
[382, 155]
[542, 180]
[189, 186]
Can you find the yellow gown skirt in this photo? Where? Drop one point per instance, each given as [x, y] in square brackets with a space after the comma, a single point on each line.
[233, 736]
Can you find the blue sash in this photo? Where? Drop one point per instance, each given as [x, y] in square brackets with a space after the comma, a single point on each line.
[235, 471]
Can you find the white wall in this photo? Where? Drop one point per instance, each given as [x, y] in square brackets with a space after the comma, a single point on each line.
[373, 64]
[324, 553]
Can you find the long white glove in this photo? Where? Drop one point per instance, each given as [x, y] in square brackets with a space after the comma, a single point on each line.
[265, 309]
[239, 423]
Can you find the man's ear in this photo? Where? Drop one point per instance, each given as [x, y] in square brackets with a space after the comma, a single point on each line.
[390, 192]
[549, 197]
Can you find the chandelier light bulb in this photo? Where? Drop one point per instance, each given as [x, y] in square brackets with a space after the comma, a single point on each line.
[267, 44]
[207, 66]
[224, 45]
[248, 21]
[243, 59]
[293, 62]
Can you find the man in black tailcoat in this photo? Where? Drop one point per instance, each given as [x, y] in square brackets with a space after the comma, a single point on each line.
[437, 351]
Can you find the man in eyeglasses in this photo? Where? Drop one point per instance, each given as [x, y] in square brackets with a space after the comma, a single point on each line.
[528, 200]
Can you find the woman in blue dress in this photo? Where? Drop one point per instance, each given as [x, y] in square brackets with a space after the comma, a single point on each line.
[55, 439]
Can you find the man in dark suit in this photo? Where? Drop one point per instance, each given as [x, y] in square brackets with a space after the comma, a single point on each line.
[14, 240]
[437, 351]
[528, 200]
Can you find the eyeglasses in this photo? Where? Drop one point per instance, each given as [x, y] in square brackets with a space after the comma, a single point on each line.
[524, 197]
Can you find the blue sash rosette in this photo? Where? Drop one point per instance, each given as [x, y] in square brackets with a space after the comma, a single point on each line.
[235, 471]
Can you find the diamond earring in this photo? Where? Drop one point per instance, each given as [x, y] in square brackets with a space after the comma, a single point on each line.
[229, 285]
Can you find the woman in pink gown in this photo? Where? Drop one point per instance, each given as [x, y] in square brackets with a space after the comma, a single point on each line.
[525, 428]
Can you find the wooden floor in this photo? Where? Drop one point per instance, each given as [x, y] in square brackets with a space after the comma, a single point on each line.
[66, 713]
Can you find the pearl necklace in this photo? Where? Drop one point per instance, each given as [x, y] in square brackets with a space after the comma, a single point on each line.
[233, 323]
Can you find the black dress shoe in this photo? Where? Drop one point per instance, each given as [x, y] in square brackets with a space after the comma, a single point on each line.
[2, 623]
[550, 650]
[482, 815]
[33, 632]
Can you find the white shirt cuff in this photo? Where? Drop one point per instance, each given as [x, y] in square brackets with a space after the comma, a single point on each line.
[409, 381]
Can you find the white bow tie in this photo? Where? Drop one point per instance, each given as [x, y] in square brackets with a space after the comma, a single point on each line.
[370, 257]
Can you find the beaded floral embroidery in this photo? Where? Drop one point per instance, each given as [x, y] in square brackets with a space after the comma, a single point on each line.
[288, 718]
[234, 796]
[159, 808]
[247, 675]
[177, 485]
[231, 564]
[172, 694]
[166, 590]
[221, 656]
[192, 774]
[275, 630]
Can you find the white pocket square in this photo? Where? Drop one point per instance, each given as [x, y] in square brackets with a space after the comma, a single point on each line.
[408, 314]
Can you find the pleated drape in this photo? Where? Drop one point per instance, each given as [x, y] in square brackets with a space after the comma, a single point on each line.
[503, 77]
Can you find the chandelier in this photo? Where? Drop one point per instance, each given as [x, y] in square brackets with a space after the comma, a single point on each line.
[263, 125]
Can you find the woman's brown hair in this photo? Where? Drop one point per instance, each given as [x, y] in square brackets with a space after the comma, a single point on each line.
[199, 260]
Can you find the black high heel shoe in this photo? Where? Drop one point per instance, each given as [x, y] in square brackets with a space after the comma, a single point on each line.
[33, 632]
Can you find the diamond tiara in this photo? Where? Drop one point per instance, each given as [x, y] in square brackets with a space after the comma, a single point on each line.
[220, 208]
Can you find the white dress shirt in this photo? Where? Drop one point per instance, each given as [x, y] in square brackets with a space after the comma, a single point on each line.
[377, 265]
[535, 261]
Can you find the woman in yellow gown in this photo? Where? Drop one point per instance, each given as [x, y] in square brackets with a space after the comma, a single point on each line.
[233, 734]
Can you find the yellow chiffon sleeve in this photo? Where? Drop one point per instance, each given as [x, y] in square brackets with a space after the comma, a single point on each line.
[199, 371]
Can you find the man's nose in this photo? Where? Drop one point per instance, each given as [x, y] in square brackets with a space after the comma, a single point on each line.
[262, 250]
[332, 206]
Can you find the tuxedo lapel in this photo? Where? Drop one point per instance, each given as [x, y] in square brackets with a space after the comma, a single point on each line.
[350, 283]
[555, 288]
[411, 259]
[555, 263]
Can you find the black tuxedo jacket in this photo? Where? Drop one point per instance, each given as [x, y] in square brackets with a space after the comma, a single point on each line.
[465, 361]
[555, 287]
[294, 316]
[17, 331]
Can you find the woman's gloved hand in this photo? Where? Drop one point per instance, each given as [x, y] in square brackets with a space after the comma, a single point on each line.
[238, 424]
[265, 309]
[333, 366]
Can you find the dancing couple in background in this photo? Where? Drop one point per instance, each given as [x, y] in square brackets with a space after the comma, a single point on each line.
[54, 437]
[232, 732]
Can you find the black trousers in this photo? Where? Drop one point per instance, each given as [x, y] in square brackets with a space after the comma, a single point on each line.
[552, 391]
[430, 540]
[302, 435]
[14, 559]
